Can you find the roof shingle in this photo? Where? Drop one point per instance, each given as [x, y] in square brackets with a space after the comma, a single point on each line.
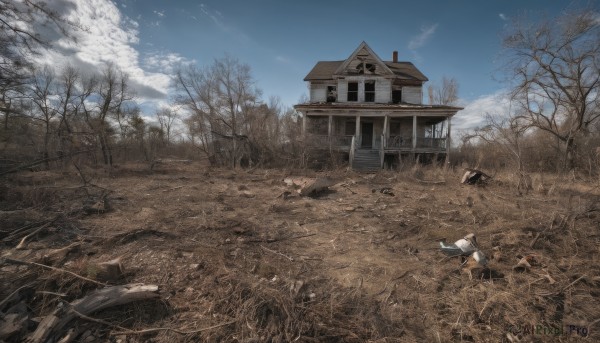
[324, 70]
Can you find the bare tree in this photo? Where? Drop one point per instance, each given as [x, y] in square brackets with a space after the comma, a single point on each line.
[196, 96]
[166, 118]
[67, 87]
[113, 93]
[554, 67]
[506, 133]
[235, 90]
[44, 110]
[20, 21]
[220, 97]
[446, 94]
[137, 132]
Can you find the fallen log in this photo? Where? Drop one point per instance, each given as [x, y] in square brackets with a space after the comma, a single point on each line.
[53, 324]
[318, 186]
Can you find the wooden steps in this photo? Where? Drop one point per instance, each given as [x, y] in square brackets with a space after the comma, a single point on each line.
[366, 160]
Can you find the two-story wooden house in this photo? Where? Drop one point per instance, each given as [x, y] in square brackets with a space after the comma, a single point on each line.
[373, 110]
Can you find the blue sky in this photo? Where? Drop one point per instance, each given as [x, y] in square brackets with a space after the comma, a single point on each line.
[282, 40]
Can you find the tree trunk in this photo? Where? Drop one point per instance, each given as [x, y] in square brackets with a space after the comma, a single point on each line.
[570, 154]
[106, 151]
[6, 111]
[46, 153]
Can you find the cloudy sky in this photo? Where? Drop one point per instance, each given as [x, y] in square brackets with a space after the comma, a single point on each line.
[282, 40]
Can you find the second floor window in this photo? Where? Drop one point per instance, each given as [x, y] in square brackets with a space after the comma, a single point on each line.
[397, 95]
[369, 91]
[331, 94]
[352, 91]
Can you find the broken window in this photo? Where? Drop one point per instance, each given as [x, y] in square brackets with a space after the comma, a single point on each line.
[397, 95]
[369, 91]
[352, 91]
[331, 93]
[370, 67]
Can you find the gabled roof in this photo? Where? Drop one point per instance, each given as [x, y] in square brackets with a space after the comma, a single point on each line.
[406, 70]
[323, 70]
[369, 52]
[327, 70]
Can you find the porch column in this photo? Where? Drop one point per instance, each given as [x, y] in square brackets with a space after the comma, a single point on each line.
[329, 123]
[357, 131]
[414, 137]
[448, 142]
[386, 128]
[303, 125]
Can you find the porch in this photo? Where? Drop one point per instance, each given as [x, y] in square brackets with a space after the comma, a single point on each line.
[408, 134]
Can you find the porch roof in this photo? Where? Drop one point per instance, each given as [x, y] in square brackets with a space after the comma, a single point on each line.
[389, 109]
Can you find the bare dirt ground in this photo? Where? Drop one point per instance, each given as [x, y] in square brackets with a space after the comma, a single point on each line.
[237, 260]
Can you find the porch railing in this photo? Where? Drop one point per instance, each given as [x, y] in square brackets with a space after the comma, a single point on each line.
[432, 143]
[398, 142]
[381, 142]
[342, 140]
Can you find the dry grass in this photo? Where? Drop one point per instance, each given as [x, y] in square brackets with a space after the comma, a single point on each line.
[354, 265]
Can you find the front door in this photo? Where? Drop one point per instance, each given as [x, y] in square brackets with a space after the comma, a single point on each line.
[367, 135]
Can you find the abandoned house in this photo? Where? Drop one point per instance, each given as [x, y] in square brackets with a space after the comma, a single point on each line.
[372, 112]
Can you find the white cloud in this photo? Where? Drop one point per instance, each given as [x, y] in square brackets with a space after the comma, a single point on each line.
[282, 59]
[422, 38]
[160, 14]
[165, 62]
[503, 16]
[111, 37]
[473, 115]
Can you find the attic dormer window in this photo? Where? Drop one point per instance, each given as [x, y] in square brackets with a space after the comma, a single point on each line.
[370, 67]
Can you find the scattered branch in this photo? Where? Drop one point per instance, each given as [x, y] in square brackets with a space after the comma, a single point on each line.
[277, 253]
[181, 332]
[20, 262]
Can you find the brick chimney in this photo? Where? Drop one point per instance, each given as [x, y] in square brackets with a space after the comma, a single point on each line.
[395, 56]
